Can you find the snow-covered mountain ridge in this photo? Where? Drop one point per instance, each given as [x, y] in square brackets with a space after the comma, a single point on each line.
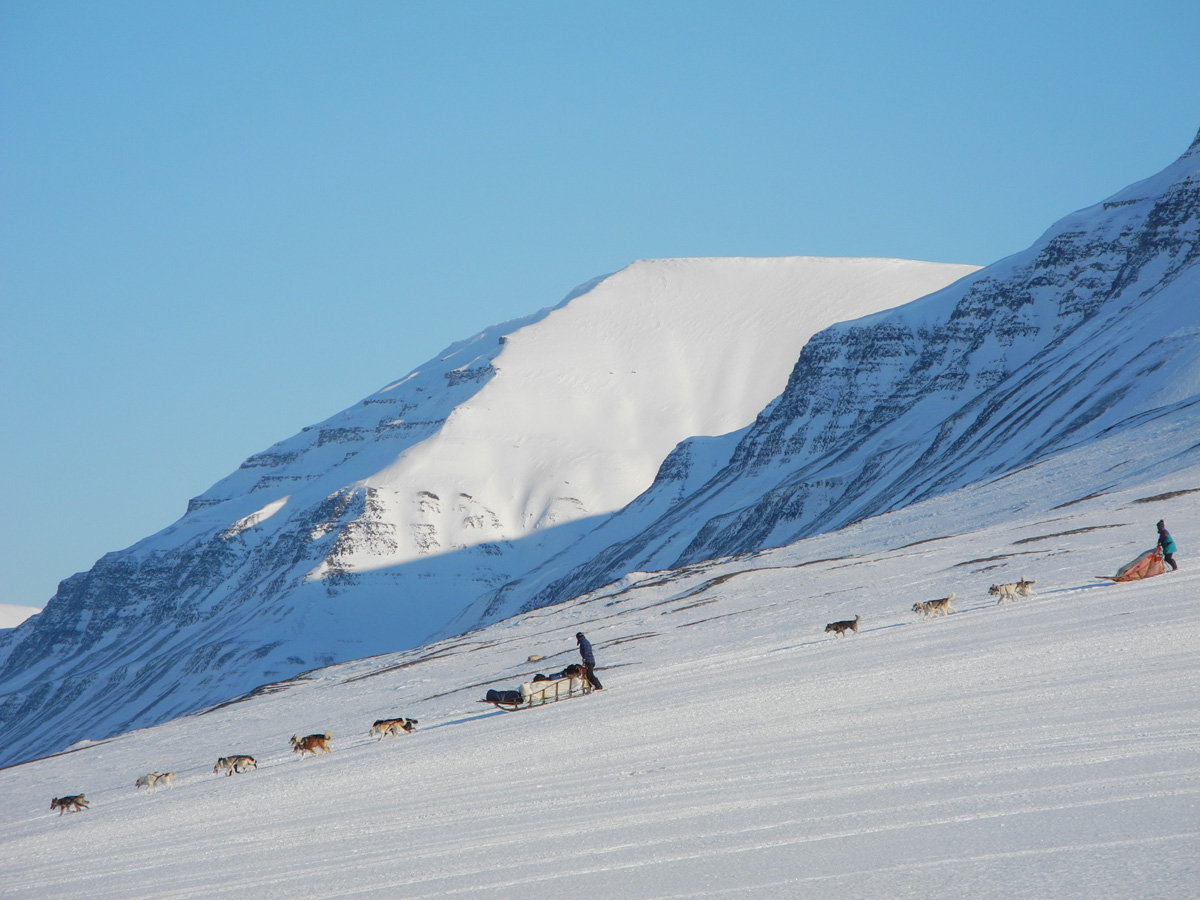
[545, 458]
[1095, 327]
[368, 531]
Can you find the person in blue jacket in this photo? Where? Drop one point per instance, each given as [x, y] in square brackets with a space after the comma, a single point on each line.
[1168, 545]
[589, 661]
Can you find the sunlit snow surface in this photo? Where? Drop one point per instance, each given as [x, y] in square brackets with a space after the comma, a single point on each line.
[1042, 749]
[12, 615]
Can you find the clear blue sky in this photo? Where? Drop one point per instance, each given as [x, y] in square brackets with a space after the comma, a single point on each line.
[221, 222]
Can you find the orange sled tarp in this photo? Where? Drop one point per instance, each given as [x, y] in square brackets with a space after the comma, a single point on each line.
[1147, 565]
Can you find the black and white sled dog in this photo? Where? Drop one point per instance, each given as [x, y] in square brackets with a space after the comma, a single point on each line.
[392, 727]
[1017, 590]
[155, 780]
[929, 608]
[231, 764]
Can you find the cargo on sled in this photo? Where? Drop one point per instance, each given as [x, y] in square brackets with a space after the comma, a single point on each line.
[1147, 565]
[571, 682]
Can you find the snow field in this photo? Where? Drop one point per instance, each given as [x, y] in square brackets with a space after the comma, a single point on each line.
[1046, 748]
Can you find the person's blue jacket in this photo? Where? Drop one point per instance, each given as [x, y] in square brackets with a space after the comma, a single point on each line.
[1166, 541]
[585, 650]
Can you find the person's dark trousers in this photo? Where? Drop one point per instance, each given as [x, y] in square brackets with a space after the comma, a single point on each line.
[592, 679]
[1169, 559]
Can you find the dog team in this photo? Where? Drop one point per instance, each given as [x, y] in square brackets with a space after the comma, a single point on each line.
[1004, 593]
[239, 763]
[1017, 590]
[314, 743]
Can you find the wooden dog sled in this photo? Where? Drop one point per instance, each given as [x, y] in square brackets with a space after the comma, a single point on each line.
[539, 693]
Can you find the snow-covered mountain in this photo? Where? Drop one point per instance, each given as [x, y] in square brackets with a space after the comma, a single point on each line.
[367, 532]
[1095, 328]
[518, 469]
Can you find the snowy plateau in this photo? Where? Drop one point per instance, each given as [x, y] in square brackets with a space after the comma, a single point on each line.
[699, 463]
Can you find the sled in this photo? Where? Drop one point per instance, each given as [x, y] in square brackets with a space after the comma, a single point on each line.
[1147, 565]
[539, 693]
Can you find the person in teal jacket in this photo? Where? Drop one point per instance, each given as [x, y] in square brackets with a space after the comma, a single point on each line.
[1168, 545]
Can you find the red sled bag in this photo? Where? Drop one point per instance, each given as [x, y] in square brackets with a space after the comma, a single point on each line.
[1147, 565]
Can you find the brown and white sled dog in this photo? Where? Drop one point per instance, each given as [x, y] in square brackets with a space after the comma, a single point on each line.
[68, 804]
[155, 780]
[1017, 590]
[392, 727]
[928, 608]
[231, 764]
[840, 628]
[310, 744]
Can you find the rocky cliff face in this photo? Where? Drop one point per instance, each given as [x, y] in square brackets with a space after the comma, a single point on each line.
[1094, 328]
[365, 533]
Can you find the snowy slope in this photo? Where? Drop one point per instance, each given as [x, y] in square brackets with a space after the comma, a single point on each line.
[1095, 327]
[1041, 749]
[368, 531]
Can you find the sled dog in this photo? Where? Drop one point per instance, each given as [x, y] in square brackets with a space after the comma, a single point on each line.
[1017, 590]
[310, 744]
[231, 764]
[154, 779]
[933, 607]
[68, 804]
[840, 628]
[392, 727]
